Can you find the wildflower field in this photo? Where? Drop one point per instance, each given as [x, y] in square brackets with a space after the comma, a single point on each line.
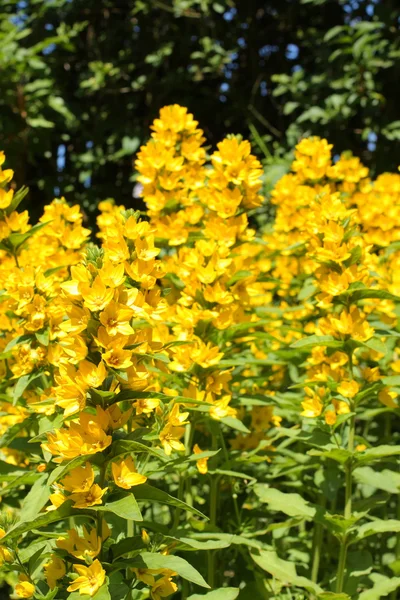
[197, 403]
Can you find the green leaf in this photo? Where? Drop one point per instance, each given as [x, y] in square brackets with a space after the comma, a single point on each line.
[121, 447]
[376, 344]
[149, 493]
[283, 570]
[43, 519]
[47, 424]
[189, 544]
[118, 588]
[17, 239]
[237, 540]
[150, 560]
[126, 546]
[372, 454]
[35, 499]
[27, 477]
[227, 593]
[382, 587]
[292, 505]
[378, 526]
[307, 291]
[340, 455]
[205, 454]
[386, 480]
[392, 380]
[10, 434]
[234, 424]
[43, 337]
[18, 197]
[333, 596]
[57, 103]
[10, 472]
[23, 382]
[124, 506]
[20, 339]
[317, 340]
[36, 122]
[353, 296]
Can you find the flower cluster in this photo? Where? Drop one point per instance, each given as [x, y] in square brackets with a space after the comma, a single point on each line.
[162, 386]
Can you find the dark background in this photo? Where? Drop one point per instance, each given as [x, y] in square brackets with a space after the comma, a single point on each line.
[81, 81]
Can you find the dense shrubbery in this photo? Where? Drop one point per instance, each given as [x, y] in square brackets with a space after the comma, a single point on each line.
[197, 401]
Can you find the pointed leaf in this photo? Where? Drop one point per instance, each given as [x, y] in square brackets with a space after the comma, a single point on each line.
[283, 570]
[226, 593]
[124, 505]
[147, 492]
[150, 560]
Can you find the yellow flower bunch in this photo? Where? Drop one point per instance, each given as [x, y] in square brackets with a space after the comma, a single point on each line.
[113, 353]
[193, 373]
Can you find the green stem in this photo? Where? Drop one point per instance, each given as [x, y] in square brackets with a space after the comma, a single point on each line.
[130, 528]
[102, 478]
[393, 595]
[259, 140]
[317, 545]
[185, 589]
[347, 507]
[213, 517]
[231, 480]
[180, 497]
[341, 566]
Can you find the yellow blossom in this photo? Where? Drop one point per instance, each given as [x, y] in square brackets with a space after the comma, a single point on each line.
[201, 463]
[25, 588]
[125, 474]
[89, 579]
[54, 570]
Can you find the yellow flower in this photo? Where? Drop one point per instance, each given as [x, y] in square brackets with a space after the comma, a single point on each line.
[146, 405]
[79, 479]
[170, 436]
[387, 397]
[91, 374]
[5, 555]
[206, 355]
[117, 358]
[81, 547]
[5, 198]
[312, 406]
[201, 464]
[96, 296]
[125, 474]
[361, 447]
[330, 417]
[116, 319]
[221, 409]
[86, 437]
[176, 418]
[162, 588]
[348, 389]
[56, 500]
[91, 497]
[89, 579]
[342, 408]
[145, 537]
[146, 575]
[54, 570]
[24, 589]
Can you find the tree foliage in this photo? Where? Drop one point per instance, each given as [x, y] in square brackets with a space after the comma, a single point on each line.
[82, 81]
